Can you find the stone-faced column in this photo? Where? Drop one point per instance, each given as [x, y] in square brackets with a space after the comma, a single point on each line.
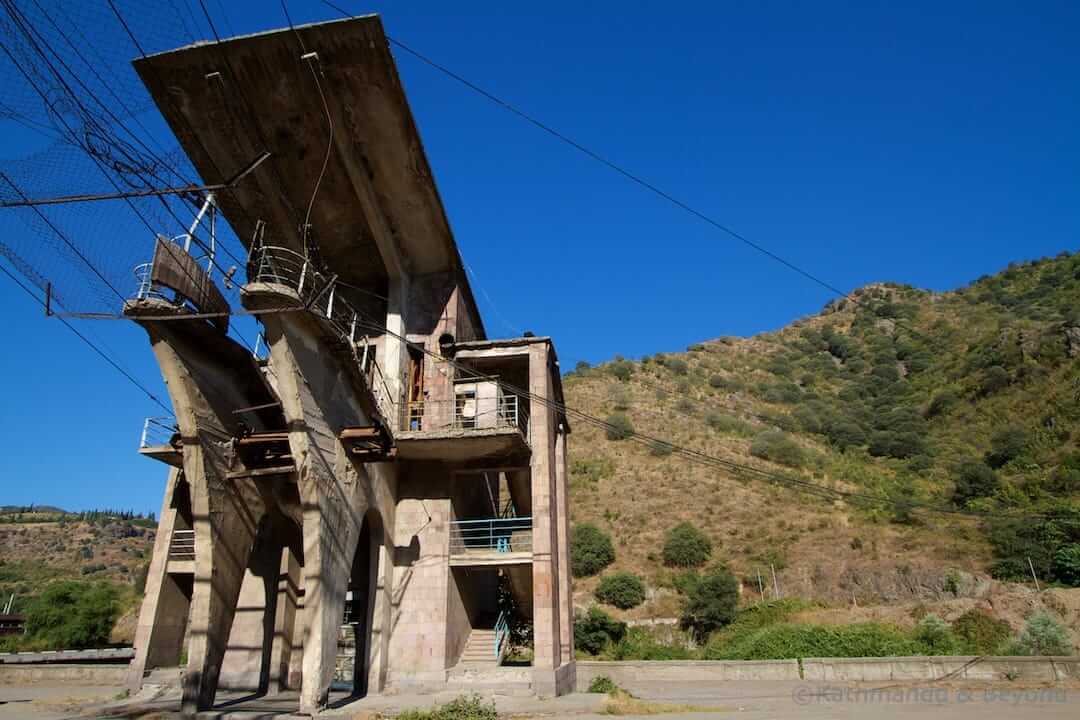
[547, 653]
[566, 595]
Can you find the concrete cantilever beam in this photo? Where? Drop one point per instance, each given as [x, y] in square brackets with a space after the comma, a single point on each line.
[319, 397]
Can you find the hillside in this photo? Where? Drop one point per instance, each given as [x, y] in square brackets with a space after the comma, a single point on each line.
[965, 400]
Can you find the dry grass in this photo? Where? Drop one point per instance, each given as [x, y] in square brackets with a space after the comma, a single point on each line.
[620, 702]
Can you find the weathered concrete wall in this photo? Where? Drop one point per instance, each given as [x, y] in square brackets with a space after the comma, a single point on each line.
[67, 674]
[937, 668]
[629, 674]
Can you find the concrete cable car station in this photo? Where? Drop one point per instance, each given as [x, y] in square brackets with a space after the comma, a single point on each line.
[377, 497]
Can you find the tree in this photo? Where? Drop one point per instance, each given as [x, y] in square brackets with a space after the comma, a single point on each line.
[686, 546]
[596, 630]
[776, 446]
[1067, 564]
[974, 480]
[622, 589]
[590, 550]
[619, 427]
[711, 602]
[72, 615]
[993, 379]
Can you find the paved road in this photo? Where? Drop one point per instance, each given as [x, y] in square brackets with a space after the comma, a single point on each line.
[759, 700]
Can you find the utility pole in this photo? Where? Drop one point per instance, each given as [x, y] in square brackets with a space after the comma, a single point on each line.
[776, 585]
[760, 587]
[1033, 576]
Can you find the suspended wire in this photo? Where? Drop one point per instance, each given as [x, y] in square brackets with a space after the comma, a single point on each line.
[130, 378]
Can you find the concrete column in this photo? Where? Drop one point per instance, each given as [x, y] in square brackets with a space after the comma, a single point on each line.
[319, 400]
[562, 534]
[163, 616]
[547, 653]
[287, 645]
[394, 356]
[204, 389]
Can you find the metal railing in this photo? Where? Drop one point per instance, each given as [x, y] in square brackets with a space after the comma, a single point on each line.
[276, 265]
[502, 634]
[182, 545]
[467, 413]
[501, 535]
[158, 432]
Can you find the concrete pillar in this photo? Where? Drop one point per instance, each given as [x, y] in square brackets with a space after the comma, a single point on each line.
[288, 621]
[547, 652]
[163, 617]
[562, 519]
[319, 399]
[205, 388]
[394, 359]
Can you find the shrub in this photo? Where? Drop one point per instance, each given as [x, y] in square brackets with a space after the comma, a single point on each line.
[727, 424]
[622, 589]
[592, 470]
[619, 427]
[974, 480]
[902, 445]
[658, 448]
[686, 546]
[798, 640]
[776, 446]
[677, 366]
[993, 379]
[620, 399]
[602, 684]
[935, 635]
[845, 433]
[979, 633]
[711, 602]
[590, 550]
[1006, 444]
[1043, 634]
[640, 644]
[621, 369]
[596, 630]
[465, 707]
[73, 615]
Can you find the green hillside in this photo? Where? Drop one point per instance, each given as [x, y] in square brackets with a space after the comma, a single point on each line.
[965, 400]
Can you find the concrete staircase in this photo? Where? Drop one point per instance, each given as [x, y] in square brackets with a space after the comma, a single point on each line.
[480, 649]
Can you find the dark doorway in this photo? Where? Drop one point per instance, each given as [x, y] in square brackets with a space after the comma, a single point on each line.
[360, 600]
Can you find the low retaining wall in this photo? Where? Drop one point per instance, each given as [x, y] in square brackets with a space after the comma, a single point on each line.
[627, 674]
[941, 668]
[67, 674]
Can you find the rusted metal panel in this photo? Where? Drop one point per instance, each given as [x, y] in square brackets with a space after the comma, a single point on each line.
[176, 269]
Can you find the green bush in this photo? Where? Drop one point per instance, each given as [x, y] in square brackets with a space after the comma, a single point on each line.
[603, 685]
[619, 427]
[776, 446]
[979, 633]
[787, 640]
[658, 448]
[935, 635]
[1066, 564]
[686, 546]
[465, 707]
[993, 379]
[622, 589]
[711, 602]
[974, 480]
[640, 644]
[597, 630]
[590, 550]
[901, 445]
[621, 369]
[727, 424]
[1043, 634]
[592, 470]
[1007, 444]
[72, 615]
[845, 433]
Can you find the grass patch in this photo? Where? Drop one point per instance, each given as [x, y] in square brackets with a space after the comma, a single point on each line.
[620, 702]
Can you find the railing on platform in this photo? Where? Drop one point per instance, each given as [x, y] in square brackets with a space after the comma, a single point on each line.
[501, 535]
[158, 432]
[502, 634]
[182, 545]
[468, 413]
[278, 265]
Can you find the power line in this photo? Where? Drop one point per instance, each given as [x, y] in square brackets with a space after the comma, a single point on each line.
[95, 348]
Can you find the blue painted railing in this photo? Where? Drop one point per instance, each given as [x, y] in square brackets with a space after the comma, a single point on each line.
[501, 535]
[502, 634]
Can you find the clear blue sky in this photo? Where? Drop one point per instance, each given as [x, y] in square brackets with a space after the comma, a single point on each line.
[921, 142]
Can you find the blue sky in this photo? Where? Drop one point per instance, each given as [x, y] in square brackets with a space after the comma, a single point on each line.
[925, 143]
